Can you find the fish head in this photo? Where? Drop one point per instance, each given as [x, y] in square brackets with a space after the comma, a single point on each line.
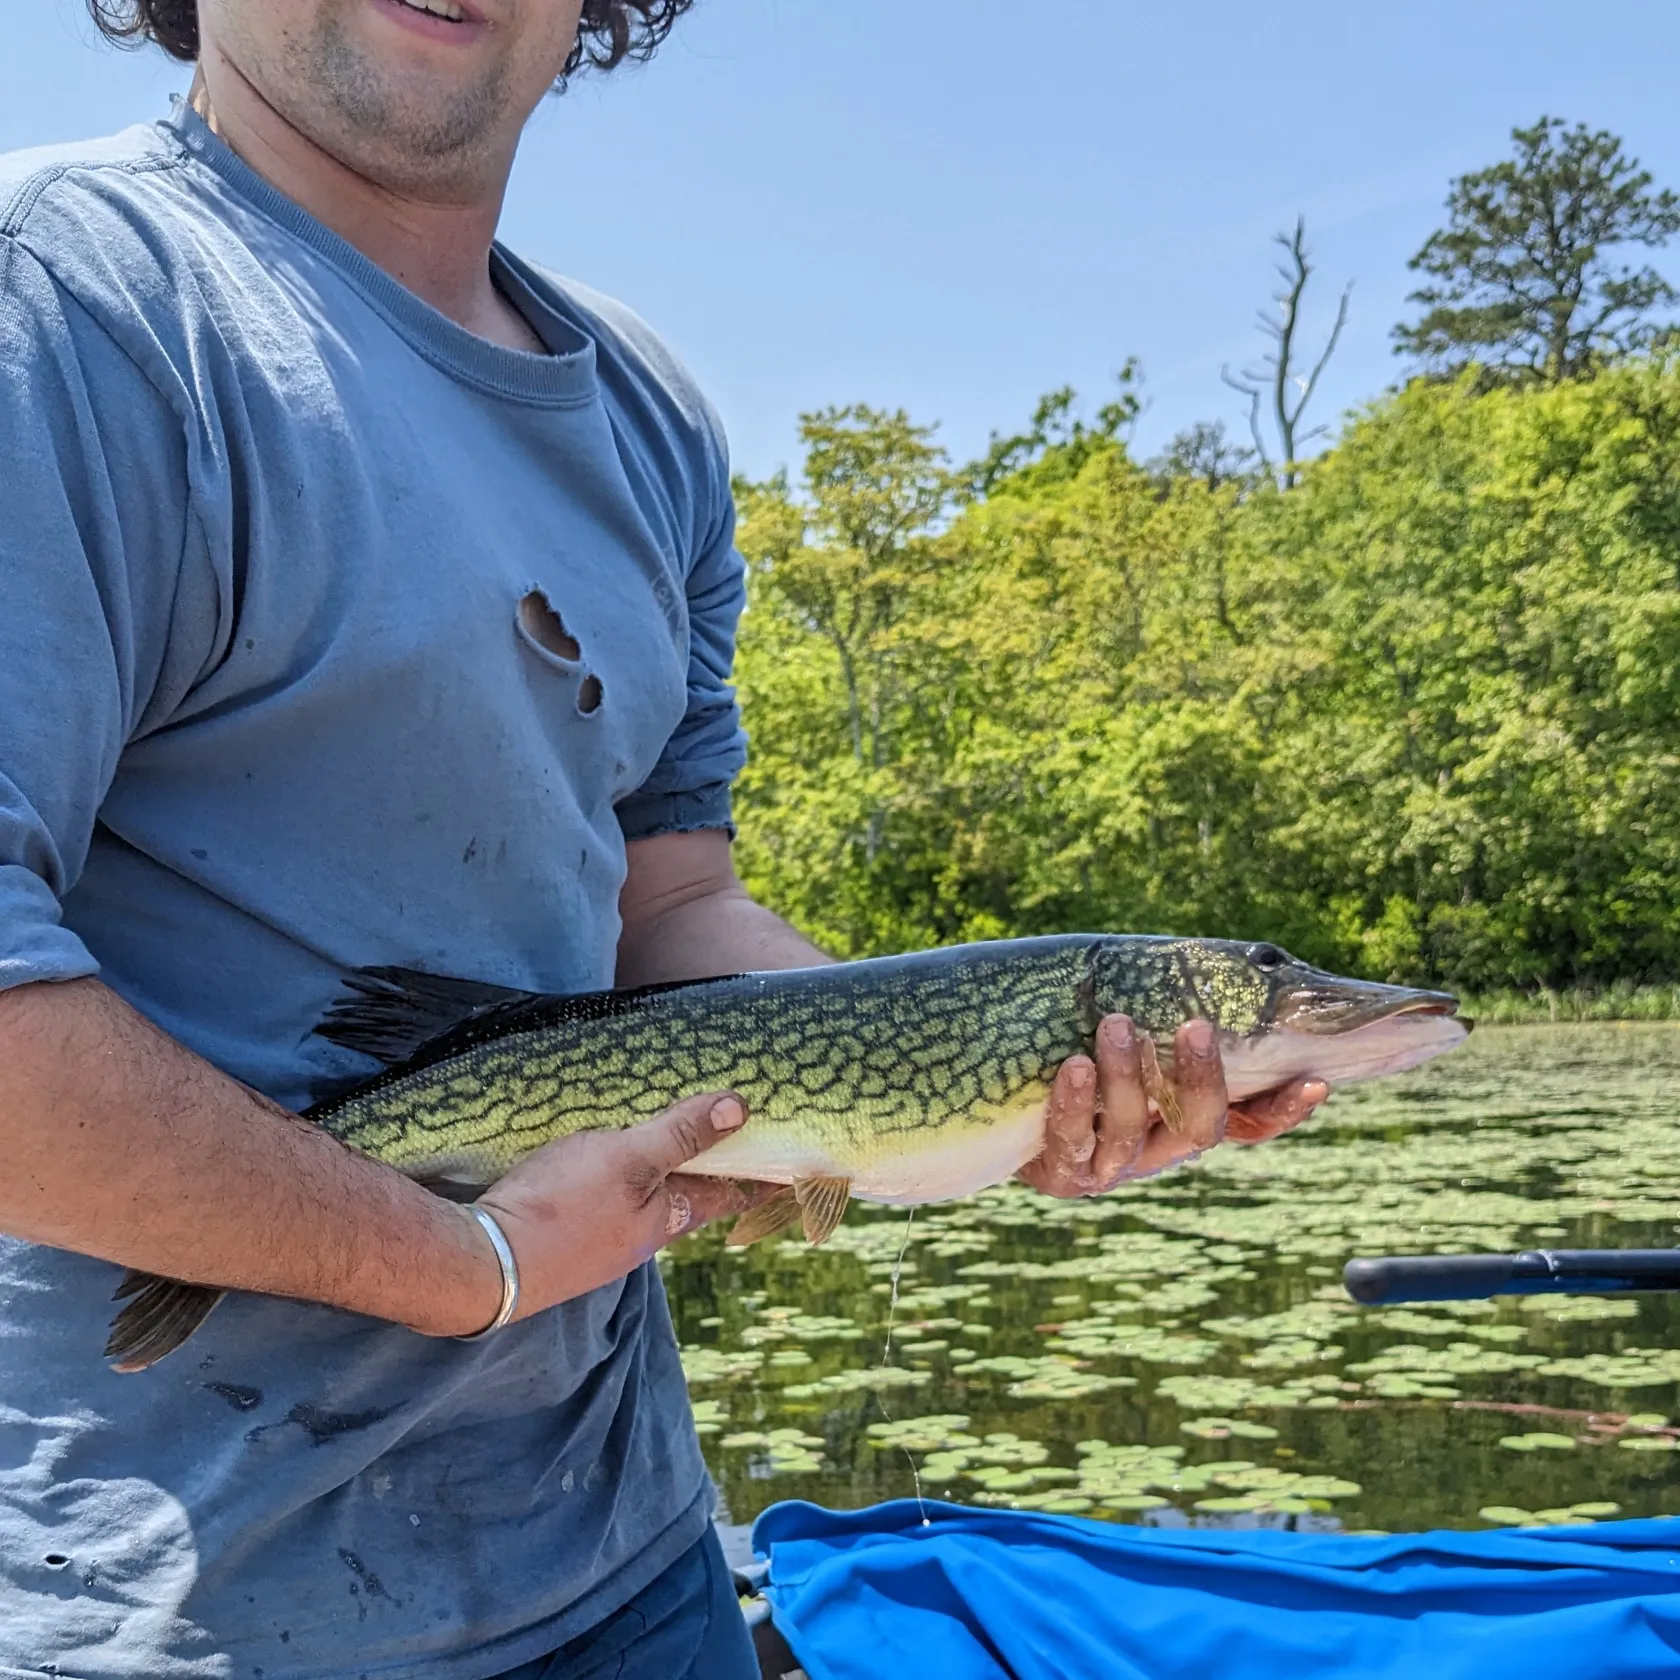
[1279, 1019]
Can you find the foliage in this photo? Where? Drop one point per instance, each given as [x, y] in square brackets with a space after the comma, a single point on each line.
[1524, 281]
[1414, 717]
[1058, 442]
[1621, 1001]
[1205, 451]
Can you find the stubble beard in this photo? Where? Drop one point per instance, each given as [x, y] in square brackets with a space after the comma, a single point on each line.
[404, 141]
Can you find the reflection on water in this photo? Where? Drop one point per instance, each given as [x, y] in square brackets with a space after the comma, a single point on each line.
[1183, 1352]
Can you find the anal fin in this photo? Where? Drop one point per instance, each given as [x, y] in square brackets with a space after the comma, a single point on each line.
[765, 1220]
[159, 1318]
[822, 1205]
[1156, 1086]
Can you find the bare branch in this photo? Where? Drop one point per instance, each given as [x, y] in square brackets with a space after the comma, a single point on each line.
[1329, 351]
[1253, 393]
[1275, 375]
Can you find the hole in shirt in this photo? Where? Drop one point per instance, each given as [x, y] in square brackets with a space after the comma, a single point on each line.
[56, 1560]
[545, 627]
[546, 631]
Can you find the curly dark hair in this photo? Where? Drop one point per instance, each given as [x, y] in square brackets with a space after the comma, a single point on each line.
[611, 31]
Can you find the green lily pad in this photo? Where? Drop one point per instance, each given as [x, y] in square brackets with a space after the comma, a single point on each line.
[1512, 1516]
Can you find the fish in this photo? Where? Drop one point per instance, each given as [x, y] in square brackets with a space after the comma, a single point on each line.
[901, 1080]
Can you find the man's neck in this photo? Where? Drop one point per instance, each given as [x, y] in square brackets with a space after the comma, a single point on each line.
[438, 249]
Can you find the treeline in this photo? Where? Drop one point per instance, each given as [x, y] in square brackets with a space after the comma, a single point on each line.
[1417, 715]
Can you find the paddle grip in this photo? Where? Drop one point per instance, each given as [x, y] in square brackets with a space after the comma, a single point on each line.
[1386, 1279]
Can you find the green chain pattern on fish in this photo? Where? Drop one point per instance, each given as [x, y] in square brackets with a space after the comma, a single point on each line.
[838, 1054]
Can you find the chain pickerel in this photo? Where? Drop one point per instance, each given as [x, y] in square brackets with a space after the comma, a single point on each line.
[905, 1079]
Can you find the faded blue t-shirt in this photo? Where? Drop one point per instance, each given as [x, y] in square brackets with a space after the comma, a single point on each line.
[268, 712]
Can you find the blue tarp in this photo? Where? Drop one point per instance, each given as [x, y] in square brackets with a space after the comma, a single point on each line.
[1014, 1595]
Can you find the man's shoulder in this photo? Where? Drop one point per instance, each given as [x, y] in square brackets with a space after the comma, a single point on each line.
[86, 171]
[104, 223]
[637, 352]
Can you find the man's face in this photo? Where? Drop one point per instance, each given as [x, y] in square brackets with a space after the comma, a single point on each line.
[425, 97]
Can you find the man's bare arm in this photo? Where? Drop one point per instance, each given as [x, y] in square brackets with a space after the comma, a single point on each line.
[686, 916]
[118, 1142]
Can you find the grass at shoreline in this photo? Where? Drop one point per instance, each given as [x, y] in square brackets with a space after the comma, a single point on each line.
[1620, 1002]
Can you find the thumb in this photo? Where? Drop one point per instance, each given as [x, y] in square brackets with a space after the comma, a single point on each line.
[686, 1129]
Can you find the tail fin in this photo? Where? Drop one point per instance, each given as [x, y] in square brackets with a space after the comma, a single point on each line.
[162, 1315]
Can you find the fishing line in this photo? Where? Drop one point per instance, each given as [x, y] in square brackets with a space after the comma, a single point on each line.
[886, 1355]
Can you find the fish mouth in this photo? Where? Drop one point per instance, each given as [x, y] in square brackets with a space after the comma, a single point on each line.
[1440, 1005]
[1391, 1043]
[1332, 1005]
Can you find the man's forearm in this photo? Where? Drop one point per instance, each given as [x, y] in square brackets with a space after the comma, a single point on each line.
[116, 1141]
[722, 931]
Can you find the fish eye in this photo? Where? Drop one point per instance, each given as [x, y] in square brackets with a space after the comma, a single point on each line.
[1267, 957]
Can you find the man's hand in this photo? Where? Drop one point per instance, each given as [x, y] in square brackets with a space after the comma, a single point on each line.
[588, 1209]
[1099, 1131]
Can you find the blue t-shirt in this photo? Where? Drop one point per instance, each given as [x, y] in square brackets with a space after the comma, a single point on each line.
[269, 710]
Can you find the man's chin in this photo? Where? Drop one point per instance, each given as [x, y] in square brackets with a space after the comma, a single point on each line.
[398, 113]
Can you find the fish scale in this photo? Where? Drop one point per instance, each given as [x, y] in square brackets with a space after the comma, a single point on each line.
[899, 1079]
[815, 1058]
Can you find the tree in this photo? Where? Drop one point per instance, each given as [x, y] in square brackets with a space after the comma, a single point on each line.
[1275, 376]
[1415, 718]
[1203, 452]
[850, 561]
[1524, 280]
[1058, 441]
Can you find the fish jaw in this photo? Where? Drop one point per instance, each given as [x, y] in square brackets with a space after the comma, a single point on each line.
[1391, 1045]
[899, 1168]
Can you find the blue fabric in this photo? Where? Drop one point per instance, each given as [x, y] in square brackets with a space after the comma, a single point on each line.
[268, 712]
[687, 1625]
[980, 1595]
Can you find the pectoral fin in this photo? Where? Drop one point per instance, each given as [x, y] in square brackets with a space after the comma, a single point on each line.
[1156, 1087]
[822, 1203]
[765, 1220]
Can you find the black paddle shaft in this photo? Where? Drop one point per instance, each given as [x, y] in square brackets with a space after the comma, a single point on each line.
[1390, 1278]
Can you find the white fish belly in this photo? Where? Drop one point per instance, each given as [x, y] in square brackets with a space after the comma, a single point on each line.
[902, 1169]
[950, 1167]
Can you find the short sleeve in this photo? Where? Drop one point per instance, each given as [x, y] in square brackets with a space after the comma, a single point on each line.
[690, 788]
[91, 538]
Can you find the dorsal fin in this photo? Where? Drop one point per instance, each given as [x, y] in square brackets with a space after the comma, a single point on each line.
[403, 1015]
[395, 1012]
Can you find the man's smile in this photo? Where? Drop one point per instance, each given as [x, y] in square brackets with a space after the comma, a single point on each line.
[438, 8]
[446, 20]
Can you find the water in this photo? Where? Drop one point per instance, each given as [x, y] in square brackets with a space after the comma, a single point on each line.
[1183, 1352]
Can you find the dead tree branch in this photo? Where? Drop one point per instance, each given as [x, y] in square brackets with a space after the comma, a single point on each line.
[1274, 376]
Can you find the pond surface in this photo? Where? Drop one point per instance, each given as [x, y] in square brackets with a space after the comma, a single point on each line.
[1183, 1352]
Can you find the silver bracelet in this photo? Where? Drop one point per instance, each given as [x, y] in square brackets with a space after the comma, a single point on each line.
[510, 1275]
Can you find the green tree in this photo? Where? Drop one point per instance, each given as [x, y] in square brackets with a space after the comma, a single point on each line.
[835, 669]
[1203, 451]
[877, 484]
[1058, 442]
[1525, 282]
[1414, 718]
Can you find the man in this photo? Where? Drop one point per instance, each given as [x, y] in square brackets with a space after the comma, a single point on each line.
[366, 595]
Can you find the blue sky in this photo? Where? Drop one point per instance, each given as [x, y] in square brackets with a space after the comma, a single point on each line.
[955, 205]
